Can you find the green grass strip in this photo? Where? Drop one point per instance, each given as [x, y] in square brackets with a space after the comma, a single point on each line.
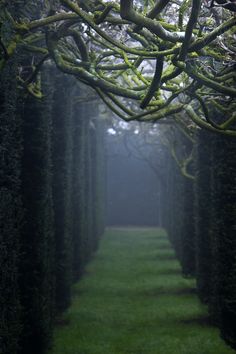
[133, 300]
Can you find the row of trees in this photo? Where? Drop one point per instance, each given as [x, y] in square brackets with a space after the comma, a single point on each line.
[51, 210]
[199, 215]
[195, 202]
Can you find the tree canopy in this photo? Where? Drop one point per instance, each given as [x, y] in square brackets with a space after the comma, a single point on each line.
[168, 60]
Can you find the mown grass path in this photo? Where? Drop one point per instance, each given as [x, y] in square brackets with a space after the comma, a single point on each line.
[133, 300]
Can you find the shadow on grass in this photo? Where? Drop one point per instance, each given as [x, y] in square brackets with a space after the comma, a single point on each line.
[78, 292]
[203, 321]
[169, 271]
[158, 257]
[157, 237]
[165, 257]
[168, 291]
[62, 322]
[164, 246]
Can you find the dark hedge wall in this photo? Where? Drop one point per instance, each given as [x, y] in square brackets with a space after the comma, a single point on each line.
[62, 136]
[11, 212]
[226, 240]
[77, 201]
[188, 256]
[178, 212]
[200, 217]
[215, 210]
[51, 175]
[203, 213]
[37, 236]
[88, 185]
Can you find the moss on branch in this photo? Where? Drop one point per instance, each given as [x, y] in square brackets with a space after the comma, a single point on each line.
[127, 12]
[86, 76]
[196, 5]
[207, 39]
[155, 84]
[203, 124]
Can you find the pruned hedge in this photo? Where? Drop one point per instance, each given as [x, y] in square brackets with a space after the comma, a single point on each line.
[201, 222]
[51, 210]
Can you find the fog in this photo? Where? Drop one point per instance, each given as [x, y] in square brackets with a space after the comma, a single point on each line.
[133, 186]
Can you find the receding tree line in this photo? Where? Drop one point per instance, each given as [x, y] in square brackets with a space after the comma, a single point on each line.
[51, 210]
[199, 215]
[197, 209]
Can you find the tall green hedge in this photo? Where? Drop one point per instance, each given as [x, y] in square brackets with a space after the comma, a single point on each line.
[203, 212]
[188, 256]
[11, 212]
[99, 179]
[215, 210]
[179, 203]
[62, 135]
[77, 196]
[88, 185]
[50, 175]
[36, 265]
[223, 240]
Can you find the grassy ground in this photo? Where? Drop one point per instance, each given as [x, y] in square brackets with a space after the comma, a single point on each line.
[133, 300]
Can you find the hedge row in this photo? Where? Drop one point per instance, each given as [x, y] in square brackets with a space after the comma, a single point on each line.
[51, 210]
[200, 217]
[215, 230]
[178, 213]
[10, 211]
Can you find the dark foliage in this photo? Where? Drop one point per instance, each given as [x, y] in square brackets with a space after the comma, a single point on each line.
[77, 171]
[188, 232]
[10, 211]
[223, 295]
[62, 186]
[203, 212]
[178, 213]
[215, 208]
[37, 236]
[51, 210]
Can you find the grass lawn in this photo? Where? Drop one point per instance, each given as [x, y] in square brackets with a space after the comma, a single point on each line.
[133, 300]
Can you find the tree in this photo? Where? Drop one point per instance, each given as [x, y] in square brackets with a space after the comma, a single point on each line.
[147, 60]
